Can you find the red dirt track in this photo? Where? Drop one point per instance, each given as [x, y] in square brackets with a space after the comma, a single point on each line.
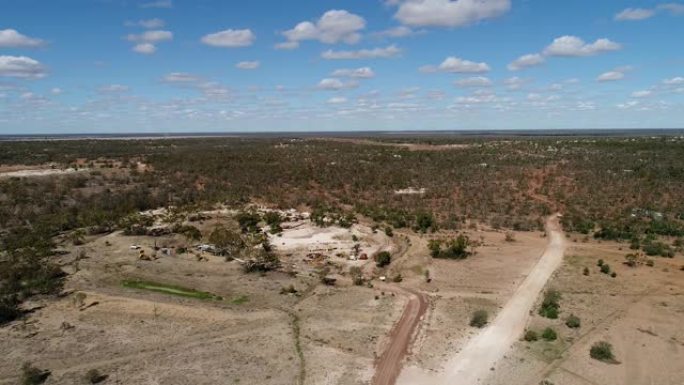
[388, 366]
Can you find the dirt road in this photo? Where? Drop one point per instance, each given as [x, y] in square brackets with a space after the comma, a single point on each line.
[472, 364]
[388, 365]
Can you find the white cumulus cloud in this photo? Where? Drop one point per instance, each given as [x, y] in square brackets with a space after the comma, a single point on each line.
[448, 13]
[11, 38]
[574, 46]
[230, 38]
[333, 27]
[21, 67]
[457, 65]
[526, 61]
[334, 84]
[145, 48]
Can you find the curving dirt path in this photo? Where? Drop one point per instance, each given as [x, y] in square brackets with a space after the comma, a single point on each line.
[473, 364]
[389, 364]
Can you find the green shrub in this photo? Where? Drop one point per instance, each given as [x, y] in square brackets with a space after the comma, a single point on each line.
[389, 232]
[550, 305]
[599, 263]
[613, 274]
[383, 259]
[453, 249]
[602, 351]
[573, 322]
[479, 318]
[605, 268]
[549, 334]
[531, 336]
[585, 271]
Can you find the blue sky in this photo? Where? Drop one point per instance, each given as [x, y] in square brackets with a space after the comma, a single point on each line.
[116, 66]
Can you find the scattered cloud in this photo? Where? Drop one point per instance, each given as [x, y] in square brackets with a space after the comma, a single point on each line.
[21, 67]
[333, 27]
[375, 53]
[475, 81]
[448, 13]
[230, 38]
[334, 84]
[358, 73]
[157, 4]
[147, 24]
[635, 14]
[642, 94]
[56, 91]
[515, 83]
[11, 38]
[248, 65]
[674, 8]
[114, 88]
[337, 100]
[574, 46]
[145, 48]
[396, 32]
[210, 89]
[526, 61]
[148, 40]
[676, 81]
[287, 45]
[181, 77]
[456, 65]
[610, 76]
[478, 97]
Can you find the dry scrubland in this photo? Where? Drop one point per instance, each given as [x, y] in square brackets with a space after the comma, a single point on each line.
[76, 296]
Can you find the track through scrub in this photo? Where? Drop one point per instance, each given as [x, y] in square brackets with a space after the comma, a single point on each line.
[388, 366]
[473, 364]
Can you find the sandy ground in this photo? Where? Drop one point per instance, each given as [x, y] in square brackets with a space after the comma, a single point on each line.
[473, 363]
[639, 312]
[37, 172]
[343, 331]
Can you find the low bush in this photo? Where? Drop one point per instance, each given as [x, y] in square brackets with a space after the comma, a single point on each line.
[383, 259]
[573, 322]
[531, 336]
[602, 351]
[605, 268]
[479, 319]
[549, 334]
[550, 305]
